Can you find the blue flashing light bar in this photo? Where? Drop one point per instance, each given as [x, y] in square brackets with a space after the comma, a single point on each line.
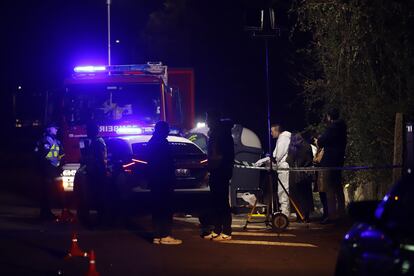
[150, 68]
[89, 69]
[129, 130]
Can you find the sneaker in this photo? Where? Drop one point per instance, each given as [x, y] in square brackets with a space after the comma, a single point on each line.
[210, 236]
[170, 241]
[222, 237]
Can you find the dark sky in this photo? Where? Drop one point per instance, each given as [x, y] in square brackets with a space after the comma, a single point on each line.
[43, 41]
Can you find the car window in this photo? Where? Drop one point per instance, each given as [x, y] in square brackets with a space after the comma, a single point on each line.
[199, 139]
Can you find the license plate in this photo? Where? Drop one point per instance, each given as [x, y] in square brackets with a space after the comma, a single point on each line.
[182, 172]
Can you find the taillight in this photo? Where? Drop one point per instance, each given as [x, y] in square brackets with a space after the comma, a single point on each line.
[139, 161]
[127, 167]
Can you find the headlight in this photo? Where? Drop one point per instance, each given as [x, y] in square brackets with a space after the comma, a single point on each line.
[68, 172]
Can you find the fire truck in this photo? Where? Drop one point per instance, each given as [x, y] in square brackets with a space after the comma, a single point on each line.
[126, 101]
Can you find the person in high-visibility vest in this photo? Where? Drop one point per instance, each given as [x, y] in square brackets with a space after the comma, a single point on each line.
[49, 152]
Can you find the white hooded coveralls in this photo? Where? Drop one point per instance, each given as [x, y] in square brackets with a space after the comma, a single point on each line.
[280, 154]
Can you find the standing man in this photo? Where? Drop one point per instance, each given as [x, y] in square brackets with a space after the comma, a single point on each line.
[220, 155]
[279, 158]
[161, 180]
[280, 155]
[49, 153]
[333, 141]
[94, 162]
[300, 155]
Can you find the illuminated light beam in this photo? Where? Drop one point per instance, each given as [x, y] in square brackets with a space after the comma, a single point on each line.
[89, 69]
[259, 234]
[288, 244]
[139, 161]
[128, 165]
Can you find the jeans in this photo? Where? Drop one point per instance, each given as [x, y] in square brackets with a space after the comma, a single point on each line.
[221, 212]
[162, 212]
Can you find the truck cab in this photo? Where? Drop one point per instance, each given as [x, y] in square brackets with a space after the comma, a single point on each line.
[125, 101]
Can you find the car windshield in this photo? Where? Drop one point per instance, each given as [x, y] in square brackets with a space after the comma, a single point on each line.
[113, 103]
[199, 139]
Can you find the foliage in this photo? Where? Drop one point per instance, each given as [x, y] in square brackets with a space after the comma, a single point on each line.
[360, 60]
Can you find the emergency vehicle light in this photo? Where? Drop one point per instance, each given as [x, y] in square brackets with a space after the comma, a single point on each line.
[89, 69]
[129, 130]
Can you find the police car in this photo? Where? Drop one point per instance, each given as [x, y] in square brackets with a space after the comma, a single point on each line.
[128, 157]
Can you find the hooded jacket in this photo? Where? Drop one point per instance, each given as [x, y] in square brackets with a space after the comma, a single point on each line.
[333, 141]
[221, 148]
[282, 147]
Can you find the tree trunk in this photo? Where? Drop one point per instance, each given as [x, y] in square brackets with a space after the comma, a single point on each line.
[398, 146]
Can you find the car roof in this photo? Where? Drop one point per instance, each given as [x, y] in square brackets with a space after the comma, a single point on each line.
[145, 138]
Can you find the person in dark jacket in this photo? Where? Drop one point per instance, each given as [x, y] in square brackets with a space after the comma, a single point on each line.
[333, 141]
[300, 183]
[94, 163]
[161, 181]
[49, 153]
[220, 161]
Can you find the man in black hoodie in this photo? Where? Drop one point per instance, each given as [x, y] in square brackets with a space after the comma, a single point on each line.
[162, 179]
[220, 161]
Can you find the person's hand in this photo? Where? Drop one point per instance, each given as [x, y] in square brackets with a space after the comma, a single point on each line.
[261, 162]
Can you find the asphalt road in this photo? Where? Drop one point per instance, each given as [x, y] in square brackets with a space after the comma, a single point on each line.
[30, 247]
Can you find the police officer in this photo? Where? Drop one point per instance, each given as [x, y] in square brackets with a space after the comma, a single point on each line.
[49, 153]
[94, 167]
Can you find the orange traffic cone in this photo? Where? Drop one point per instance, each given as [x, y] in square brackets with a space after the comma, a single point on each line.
[75, 251]
[92, 265]
[66, 216]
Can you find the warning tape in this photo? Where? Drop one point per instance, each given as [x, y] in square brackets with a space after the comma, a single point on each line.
[247, 165]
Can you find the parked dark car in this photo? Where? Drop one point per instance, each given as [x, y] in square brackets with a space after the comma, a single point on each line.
[131, 154]
[381, 242]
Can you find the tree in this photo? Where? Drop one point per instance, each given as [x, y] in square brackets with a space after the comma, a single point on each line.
[360, 60]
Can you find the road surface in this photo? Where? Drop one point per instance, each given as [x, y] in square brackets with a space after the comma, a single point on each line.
[30, 247]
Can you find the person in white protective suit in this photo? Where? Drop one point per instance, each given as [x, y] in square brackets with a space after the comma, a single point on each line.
[279, 157]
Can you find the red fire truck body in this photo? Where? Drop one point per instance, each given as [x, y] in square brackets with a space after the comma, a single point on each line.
[123, 100]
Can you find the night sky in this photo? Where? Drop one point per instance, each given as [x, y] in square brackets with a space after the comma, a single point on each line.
[43, 40]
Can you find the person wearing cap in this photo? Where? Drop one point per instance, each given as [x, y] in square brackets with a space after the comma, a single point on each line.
[161, 171]
[49, 152]
[333, 141]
